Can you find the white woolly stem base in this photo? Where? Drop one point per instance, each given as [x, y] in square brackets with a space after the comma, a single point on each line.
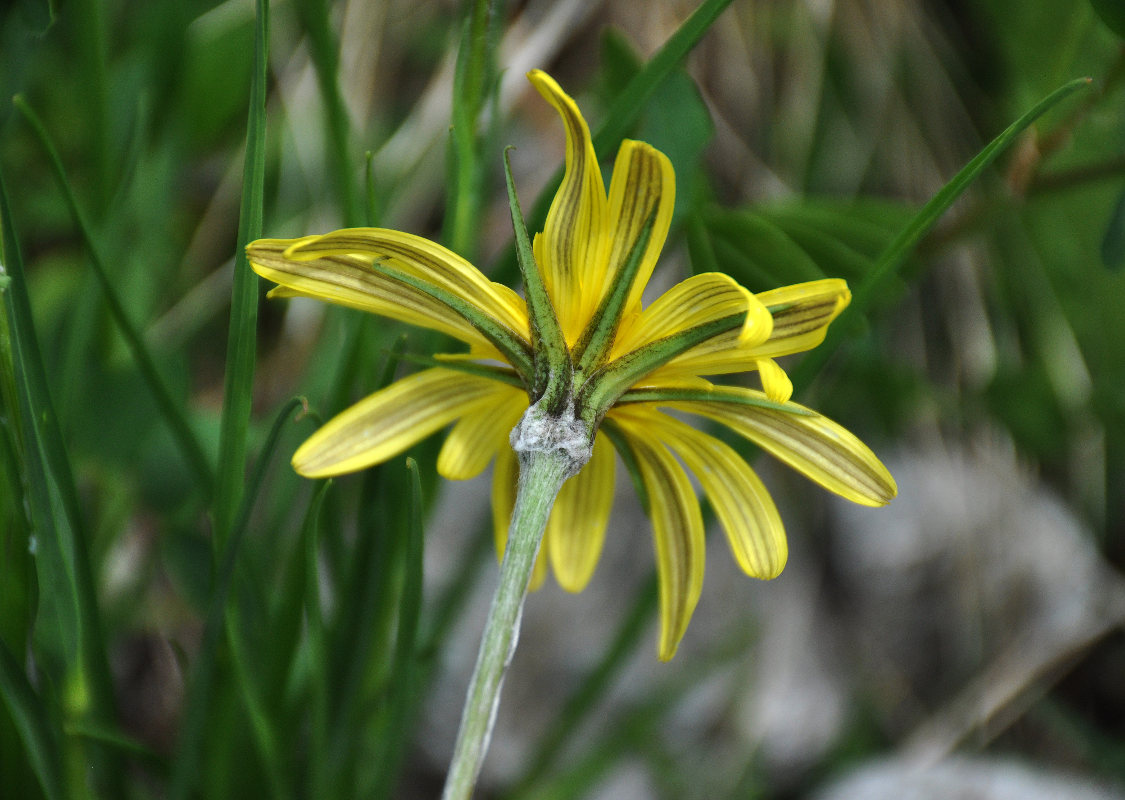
[551, 449]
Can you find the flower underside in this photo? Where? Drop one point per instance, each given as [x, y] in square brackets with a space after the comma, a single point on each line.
[580, 344]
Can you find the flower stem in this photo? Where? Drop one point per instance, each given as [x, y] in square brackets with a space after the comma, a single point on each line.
[544, 468]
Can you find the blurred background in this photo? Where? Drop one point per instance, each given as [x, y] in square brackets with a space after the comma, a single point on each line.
[965, 642]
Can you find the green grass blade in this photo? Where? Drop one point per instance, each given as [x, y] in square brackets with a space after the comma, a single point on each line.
[318, 649]
[371, 206]
[358, 646]
[892, 258]
[244, 299]
[93, 53]
[324, 49]
[261, 709]
[205, 670]
[39, 737]
[120, 741]
[146, 364]
[551, 357]
[628, 105]
[404, 671]
[475, 70]
[65, 576]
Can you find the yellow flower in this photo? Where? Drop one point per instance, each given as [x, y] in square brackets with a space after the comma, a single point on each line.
[582, 339]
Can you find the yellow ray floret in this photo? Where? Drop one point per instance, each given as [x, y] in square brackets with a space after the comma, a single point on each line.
[596, 346]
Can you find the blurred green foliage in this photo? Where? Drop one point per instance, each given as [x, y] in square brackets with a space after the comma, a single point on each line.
[802, 145]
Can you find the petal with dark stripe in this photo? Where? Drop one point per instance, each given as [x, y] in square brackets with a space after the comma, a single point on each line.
[574, 238]
[384, 424]
[349, 281]
[677, 529]
[643, 180]
[576, 529]
[740, 500]
[424, 260]
[812, 444]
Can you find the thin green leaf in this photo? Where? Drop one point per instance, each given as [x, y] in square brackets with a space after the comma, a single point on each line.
[1113, 243]
[548, 344]
[317, 646]
[700, 249]
[766, 246]
[39, 739]
[509, 344]
[717, 394]
[91, 47]
[491, 371]
[195, 728]
[604, 387]
[897, 251]
[628, 105]
[116, 739]
[358, 650]
[474, 72]
[239, 379]
[371, 219]
[403, 679]
[165, 402]
[63, 562]
[314, 17]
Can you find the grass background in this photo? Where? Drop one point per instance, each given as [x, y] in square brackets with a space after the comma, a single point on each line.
[182, 616]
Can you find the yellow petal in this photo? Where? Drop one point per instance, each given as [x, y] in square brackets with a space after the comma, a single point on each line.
[350, 282]
[718, 355]
[574, 240]
[384, 424]
[505, 477]
[677, 528]
[813, 445]
[479, 434]
[643, 180]
[776, 383]
[700, 299]
[739, 499]
[800, 317]
[576, 530]
[801, 314]
[422, 259]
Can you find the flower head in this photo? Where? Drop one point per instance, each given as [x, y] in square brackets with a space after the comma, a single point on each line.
[581, 339]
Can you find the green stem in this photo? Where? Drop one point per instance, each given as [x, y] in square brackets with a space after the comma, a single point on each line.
[550, 451]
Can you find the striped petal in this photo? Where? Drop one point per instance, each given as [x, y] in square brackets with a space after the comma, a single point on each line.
[677, 528]
[574, 239]
[576, 530]
[812, 444]
[505, 478]
[740, 500]
[424, 260]
[348, 281]
[474, 441]
[698, 300]
[800, 317]
[801, 314]
[643, 182]
[384, 424]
